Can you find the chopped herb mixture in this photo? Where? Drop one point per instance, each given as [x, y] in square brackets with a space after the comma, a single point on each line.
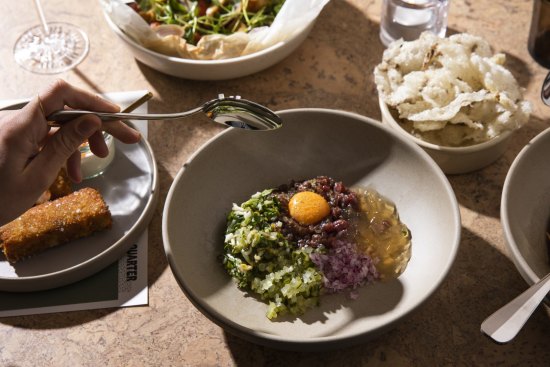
[259, 257]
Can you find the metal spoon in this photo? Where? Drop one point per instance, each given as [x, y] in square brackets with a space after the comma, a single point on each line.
[228, 111]
[504, 324]
[545, 92]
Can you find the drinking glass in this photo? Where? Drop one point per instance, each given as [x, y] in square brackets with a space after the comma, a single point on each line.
[539, 34]
[50, 48]
[407, 19]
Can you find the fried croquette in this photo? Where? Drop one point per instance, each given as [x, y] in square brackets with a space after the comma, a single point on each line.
[62, 185]
[53, 223]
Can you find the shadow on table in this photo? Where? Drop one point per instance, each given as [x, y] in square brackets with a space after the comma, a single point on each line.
[331, 72]
[481, 191]
[445, 328]
[327, 70]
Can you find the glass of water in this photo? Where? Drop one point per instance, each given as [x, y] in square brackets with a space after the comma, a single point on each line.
[407, 19]
[51, 47]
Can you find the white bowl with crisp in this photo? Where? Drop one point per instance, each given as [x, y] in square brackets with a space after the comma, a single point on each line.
[525, 209]
[453, 160]
[350, 148]
[212, 69]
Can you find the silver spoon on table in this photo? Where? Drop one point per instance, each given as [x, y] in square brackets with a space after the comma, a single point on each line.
[228, 111]
[503, 325]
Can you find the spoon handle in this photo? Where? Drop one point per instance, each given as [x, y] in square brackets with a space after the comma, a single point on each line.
[503, 325]
[67, 115]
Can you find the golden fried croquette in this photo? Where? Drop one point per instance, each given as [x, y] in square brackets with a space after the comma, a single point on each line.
[46, 196]
[53, 223]
[62, 185]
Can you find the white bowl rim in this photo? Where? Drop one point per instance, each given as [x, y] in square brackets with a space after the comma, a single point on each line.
[284, 342]
[518, 259]
[467, 149]
[181, 60]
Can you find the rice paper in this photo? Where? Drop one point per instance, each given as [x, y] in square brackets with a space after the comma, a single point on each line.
[450, 91]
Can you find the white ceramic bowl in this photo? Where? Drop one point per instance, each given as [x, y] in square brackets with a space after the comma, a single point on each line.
[354, 149]
[525, 208]
[454, 160]
[212, 69]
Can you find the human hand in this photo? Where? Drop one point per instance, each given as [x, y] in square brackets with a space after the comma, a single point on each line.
[31, 155]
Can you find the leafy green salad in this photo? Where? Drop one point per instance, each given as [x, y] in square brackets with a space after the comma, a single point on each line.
[205, 17]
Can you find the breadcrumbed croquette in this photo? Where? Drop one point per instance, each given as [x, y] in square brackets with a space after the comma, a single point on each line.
[62, 185]
[53, 223]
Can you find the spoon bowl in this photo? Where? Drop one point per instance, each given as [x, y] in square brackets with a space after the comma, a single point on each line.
[241, 113]
[228, 111]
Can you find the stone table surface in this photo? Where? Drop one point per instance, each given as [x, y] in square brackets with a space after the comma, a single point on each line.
[332, 69]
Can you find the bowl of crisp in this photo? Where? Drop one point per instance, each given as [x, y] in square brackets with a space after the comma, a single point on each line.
[211, 40]
[321, 234]
[451, 96]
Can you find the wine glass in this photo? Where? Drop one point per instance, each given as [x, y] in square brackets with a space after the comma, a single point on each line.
[50, 48]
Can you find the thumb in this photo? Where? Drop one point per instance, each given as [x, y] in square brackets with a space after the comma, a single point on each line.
[61, 145]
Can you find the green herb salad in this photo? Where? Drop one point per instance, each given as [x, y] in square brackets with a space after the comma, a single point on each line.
[199, 18]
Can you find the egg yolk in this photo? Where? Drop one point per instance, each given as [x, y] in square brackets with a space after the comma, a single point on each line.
[308, 207]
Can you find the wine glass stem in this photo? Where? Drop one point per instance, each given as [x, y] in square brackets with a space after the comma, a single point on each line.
[42, 17]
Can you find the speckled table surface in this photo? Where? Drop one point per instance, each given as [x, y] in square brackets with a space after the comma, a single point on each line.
[332, 69]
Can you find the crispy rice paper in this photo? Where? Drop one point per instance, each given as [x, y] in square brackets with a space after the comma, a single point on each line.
[450, 91]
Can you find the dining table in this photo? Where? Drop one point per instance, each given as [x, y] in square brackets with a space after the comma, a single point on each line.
[332, 69]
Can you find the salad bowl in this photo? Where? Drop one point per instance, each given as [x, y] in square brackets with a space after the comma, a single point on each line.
[220, 69]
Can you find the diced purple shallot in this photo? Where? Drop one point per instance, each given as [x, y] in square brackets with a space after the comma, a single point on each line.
[344, 267]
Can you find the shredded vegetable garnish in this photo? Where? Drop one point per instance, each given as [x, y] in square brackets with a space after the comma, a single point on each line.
[260, 258]
[203, 17]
